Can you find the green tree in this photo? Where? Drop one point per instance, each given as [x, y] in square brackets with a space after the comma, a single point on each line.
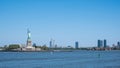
[14, 46]
[44, 47]
[34, 45]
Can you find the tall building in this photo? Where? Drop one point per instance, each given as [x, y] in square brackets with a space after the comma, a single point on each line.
[105, 43]
[50, 43]
[118, 44]
[53, 44]
[100, 43]
[76, 45]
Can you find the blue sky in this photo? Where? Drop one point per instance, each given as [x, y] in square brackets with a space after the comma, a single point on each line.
[65, 21]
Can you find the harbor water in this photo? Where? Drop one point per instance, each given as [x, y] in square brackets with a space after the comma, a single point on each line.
[74, 59]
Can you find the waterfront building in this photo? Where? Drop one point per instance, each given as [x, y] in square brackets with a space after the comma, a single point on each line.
[76, 45]
[118, 44]
[56, 46]
[53, 44]
[69, 46]
[105, 43]
[100, 43]
[50, 43]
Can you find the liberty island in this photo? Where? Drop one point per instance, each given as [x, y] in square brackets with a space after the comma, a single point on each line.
[17, 47]
[29, 46]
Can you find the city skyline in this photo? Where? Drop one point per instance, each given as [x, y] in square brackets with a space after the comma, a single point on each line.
[65, 21]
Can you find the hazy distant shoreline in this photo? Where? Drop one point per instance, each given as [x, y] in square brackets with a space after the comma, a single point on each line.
[42, 51]
[59, 50]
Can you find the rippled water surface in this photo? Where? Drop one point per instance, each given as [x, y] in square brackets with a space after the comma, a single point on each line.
[75, 59]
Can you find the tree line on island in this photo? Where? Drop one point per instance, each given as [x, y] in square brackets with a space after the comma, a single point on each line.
[44, 47]
[16, 46]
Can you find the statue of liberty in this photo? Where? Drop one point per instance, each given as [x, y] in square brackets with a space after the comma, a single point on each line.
[29, 46]
[29, 34]
[29, 41]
